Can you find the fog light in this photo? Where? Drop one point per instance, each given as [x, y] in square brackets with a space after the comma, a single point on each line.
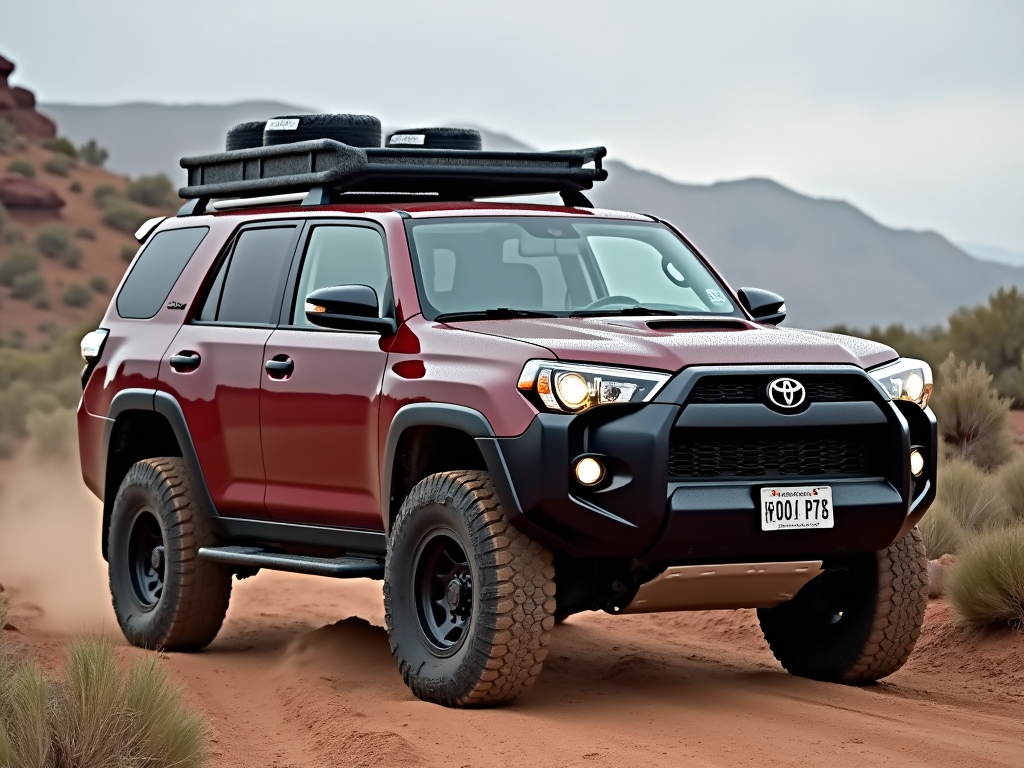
[916, 463]
[589, 471]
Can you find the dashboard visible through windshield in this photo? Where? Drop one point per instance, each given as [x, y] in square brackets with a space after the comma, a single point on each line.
[557, 267]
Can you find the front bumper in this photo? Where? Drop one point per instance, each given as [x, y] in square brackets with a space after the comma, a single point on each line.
[645, 509]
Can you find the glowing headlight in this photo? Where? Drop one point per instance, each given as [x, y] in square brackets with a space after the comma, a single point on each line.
[906, 379]
[570, 388]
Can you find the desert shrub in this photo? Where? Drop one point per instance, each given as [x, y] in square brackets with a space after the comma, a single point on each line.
[59, 165]
[993, 334]
[1011, 482]
[23, 168]
[973, 420]
[85, 233]
[972, 496]
[61, 146]
[10, 139]
[124, 217]
[52, 432]
[8, 447]
[5, 219]
[20, 261]
[28, 287]
[99, 283]
[13, 408]
[154, 191]
[12, 235]
[53, 240]
[75, 187]
[93, 153]
[100, 714]
[986, 586]
[942, 532]
[104, 194]
[77, 295]
[128, 253]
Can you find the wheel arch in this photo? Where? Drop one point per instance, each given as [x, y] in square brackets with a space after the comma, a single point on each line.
[144, 424]
[425, 438]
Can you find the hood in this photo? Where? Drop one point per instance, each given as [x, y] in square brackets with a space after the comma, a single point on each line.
[673, 344]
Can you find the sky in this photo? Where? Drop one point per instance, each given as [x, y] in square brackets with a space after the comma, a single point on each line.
[911, 110]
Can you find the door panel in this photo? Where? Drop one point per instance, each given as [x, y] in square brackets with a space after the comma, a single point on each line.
[221, 398]
[319, 428]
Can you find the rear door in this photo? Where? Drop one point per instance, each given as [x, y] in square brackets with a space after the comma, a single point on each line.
[319, 408]
[215, 364]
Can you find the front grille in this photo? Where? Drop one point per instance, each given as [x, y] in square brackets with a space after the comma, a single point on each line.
[757, 453]
[751, 389]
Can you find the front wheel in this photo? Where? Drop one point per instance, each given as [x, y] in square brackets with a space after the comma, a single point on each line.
[856, 623]
[469, 601]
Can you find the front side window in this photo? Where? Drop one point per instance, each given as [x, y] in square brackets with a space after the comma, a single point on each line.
[341, 255]
[560, 267]
[156, 271]
[248, 285]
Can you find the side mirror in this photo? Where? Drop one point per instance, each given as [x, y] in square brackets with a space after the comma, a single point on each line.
[764, 306]
[348, 308]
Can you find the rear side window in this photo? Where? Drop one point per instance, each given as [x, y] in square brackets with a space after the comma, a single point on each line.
[248, 285]
[156, 271]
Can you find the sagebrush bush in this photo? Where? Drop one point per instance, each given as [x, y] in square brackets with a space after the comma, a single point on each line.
[99, 716]
[23, 168]
[53, 239]
[75, 187]
[972, 496]
[986, 585]
[28, 287]
[123, 216]
[62, 146]
[77, 295]
[943, 534]
[104, 194]
[85, 233]
[155, 191]
[974, 421]
[59, 165]
[1011, 482]
[10, 139]
[21, 260]
[128, 253]
[93, 153]
[99, 283]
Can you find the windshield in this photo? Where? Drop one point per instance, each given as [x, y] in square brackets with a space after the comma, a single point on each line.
[515, 266]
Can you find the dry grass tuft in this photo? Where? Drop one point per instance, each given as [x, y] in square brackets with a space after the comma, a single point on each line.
[986, 586]
[942, 532]
[973, 420]
[100, 716]
[1011, 482]
[971, 496]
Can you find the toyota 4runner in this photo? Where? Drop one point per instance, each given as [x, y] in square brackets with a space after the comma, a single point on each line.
[337, 360]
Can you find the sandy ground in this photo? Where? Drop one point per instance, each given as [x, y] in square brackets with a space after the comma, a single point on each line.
[301, 676]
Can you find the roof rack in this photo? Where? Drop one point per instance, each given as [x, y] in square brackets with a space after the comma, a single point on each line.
[330, 171]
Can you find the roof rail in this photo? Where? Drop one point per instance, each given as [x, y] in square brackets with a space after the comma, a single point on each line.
[335, 170]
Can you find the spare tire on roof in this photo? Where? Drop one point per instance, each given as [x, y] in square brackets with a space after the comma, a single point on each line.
[354, 130]
[436, 138]
[245, 136]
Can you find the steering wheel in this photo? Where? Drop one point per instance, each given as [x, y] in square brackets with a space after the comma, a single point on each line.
[607, 301]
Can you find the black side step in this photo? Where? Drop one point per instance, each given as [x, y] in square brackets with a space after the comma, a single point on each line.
[336, 567]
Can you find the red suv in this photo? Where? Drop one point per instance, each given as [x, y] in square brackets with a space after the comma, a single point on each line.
[334, 361]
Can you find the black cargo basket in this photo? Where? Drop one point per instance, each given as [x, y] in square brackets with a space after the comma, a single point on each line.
[445, 174]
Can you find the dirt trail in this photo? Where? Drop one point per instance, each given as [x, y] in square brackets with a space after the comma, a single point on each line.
[301, 676]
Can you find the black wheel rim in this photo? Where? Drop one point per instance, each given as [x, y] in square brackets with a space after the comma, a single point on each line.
[146, 559]
[444, 591]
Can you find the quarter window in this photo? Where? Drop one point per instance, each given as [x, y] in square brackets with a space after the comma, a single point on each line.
[156, 271]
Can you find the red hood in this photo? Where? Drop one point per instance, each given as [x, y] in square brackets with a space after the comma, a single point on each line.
[631, 342]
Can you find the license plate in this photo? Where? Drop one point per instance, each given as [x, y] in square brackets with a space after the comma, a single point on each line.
[784, 509]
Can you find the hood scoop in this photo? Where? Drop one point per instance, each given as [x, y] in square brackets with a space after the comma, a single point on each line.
[698, 324]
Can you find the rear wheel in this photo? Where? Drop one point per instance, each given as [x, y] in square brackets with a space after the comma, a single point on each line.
[164, 596]
[857, 623]
[469, 601]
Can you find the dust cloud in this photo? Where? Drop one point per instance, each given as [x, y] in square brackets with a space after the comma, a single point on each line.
[50, 562]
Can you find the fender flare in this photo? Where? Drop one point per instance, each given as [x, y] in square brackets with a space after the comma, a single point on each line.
[467, 420]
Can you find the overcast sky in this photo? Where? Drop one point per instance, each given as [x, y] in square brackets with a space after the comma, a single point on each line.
[913, 111]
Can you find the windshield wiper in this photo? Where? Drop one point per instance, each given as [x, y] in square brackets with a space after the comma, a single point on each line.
[501, 313]
[624, 312]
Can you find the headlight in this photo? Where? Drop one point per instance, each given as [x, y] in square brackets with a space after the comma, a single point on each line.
[571, 388]
[906, 379]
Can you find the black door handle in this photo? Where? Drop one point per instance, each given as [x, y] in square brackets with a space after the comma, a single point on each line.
[185, 361]
[280, 367]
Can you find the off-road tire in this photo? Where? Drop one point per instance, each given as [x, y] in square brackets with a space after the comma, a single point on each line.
[884, 596]
[354, 130]
[245, 136]
[505, 641]
[189, 612]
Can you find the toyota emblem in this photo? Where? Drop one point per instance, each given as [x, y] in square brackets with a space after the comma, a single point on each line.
[787, 393]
